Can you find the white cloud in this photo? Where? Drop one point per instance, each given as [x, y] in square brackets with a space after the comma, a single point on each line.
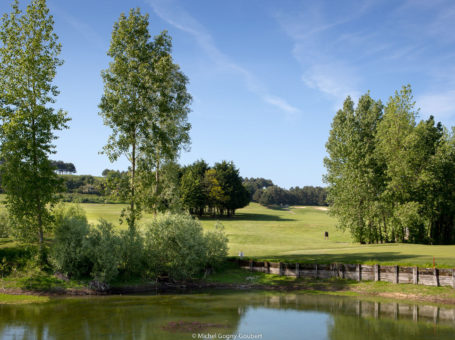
[440, 105]
[336, 80]
[175, 15]
[321, 71]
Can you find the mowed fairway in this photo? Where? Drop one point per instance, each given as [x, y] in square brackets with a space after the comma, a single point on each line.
[297, 234]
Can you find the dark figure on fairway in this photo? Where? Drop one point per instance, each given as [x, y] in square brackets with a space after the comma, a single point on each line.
[326, 235]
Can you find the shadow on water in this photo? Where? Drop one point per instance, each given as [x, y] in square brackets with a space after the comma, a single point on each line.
[346, 258]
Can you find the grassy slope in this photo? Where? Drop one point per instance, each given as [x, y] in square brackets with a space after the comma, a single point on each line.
[298, 235]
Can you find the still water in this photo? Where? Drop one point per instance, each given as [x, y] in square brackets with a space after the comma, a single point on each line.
[225, 315]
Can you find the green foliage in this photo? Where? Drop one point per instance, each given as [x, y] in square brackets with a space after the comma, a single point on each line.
[216, 190]
[176, 246]
[80, 249]
[132, 254]
[146, 104]
[216, 244]
[385, 171]
[62, 167]
[104, 250]
[84, 184]
[69, 249]
[274, 195]
[5, 224]
[29, 53]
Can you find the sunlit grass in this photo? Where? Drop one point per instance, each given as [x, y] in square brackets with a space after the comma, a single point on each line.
[295, 234]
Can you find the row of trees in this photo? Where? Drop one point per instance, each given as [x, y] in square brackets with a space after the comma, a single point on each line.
[62, 167]
[391, 177]
[263, 191]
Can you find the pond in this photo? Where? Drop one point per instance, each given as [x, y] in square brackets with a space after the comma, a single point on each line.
[225, 315]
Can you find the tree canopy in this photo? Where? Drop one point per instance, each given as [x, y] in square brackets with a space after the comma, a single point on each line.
[29, 59]
[390, 178]
[145, 103]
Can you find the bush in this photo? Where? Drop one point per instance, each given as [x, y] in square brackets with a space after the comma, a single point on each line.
[5, 224]
[103, 247]
[176, 246]
[80, 249]
[216, 246]
[71, 230]
[132, 254]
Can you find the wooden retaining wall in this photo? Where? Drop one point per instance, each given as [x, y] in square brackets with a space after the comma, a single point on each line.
[358, 272]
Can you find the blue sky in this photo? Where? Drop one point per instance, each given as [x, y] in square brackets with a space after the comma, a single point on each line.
[266, 76]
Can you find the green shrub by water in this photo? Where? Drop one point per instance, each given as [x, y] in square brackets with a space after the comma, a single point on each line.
[176, 246]
[171, 245]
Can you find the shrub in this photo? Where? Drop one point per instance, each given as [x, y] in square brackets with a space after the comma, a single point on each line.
[71, 229]
[5, 224]
[103, 246]
[216, 246]
[131, 253]
[175, 246]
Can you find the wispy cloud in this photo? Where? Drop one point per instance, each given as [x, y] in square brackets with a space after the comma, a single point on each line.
[175, 15]
[82, 28]
[343, 50]
[441, 105]
[308, 29]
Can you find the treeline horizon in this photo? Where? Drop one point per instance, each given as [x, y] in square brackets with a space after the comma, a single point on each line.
[265, 192]
[260, 190]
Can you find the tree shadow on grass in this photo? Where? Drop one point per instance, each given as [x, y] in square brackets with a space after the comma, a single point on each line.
[246, 217]
[367, 257]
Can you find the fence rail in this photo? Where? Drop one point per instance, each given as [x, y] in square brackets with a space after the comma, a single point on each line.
[359, 272]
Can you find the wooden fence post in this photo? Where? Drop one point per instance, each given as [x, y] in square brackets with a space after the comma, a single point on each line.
[280, 268]
[377, 274]
[397, 274]
[359, 272]
[297, 269]
[415, 275]
[251, 265]
[316, 269]
[436, 276]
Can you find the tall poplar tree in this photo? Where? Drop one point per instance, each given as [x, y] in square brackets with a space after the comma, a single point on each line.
[145, 103]
[29, 53]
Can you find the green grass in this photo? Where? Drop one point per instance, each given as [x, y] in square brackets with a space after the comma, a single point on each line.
[296, 234]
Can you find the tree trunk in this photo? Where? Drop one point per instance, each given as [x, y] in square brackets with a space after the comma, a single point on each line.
[132, 221]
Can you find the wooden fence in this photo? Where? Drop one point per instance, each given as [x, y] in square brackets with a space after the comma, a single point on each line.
[359, 272]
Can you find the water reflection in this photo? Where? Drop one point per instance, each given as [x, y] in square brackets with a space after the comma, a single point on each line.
[266, 314]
